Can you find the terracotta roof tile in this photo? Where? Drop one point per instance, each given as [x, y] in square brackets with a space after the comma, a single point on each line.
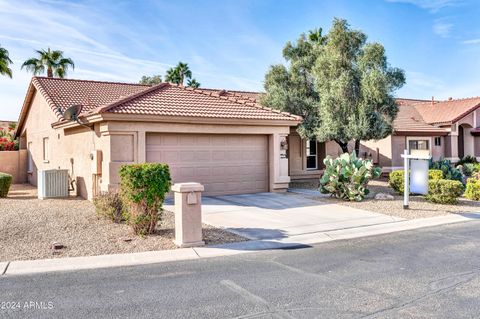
[173, 100]
[63, 93]
[165, 99]
[409, 120]
[447, 111]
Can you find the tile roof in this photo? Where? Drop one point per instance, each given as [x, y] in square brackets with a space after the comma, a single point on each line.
[165, 99]
[63, 93]
[447, 111]
[172, 100]
[409, 120]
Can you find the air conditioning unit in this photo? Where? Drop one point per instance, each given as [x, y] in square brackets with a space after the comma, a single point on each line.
[52, 183]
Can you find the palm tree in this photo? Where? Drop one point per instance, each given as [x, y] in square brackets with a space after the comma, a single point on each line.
[179, 73]
[5, 63]
[52, 61]
[172, 76]
[193, 83]
[183, 71]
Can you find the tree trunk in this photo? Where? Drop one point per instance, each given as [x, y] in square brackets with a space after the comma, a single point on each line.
[343, 146]
[50, 72]
[357, 147]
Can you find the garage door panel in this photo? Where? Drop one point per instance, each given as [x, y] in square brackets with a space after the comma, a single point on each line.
[224, 164]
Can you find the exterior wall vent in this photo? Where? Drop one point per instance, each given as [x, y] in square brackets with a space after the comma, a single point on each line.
[52, 183]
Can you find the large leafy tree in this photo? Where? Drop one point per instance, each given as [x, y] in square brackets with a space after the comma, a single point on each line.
[5, 63]
[341, 85]
[152, 80]
[179, 74]
[51, 61]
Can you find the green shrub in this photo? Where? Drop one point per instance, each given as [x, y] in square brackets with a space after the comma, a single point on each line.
[472, 190]
[143, 188]
[444, 191]
[5, 182]
[469, 169]
[109, 205]
[467, 159]
[449, 172]
[395, 178]
[347, 176]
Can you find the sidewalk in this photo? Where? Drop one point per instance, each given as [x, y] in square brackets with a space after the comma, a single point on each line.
[300, 241]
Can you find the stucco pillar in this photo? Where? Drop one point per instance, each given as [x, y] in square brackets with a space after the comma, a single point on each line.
[279, 178]
[188, 214]
[142, 148]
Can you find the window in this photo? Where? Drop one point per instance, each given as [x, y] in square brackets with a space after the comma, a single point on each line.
[418, 144]
[311, 151]
[29, 155]
[438, 141]
[46, 154]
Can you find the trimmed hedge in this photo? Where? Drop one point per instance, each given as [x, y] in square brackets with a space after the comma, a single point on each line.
[5, 182]
[443, 191]
[473, 189]
[143, 188]
[395, 178]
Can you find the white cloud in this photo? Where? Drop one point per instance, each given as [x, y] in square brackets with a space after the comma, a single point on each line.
[471, 41]
[430, 5]
[442, 29]
[421, 85]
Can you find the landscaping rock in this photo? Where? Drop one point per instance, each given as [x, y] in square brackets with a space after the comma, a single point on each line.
[383, 196]
[57, 246]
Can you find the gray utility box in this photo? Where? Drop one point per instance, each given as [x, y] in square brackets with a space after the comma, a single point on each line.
[52, 183]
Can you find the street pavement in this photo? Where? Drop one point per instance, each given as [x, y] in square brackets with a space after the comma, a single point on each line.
[424, 273]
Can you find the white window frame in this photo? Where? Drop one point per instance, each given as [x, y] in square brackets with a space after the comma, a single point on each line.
[439, 139]
[29, 158]
[307, 155]
[46, 150]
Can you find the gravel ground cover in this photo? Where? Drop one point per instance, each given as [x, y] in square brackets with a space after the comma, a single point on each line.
[29, 226]
[419, 207]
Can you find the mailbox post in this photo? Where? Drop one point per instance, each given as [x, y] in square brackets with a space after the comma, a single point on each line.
[415, 175]
[188, 214]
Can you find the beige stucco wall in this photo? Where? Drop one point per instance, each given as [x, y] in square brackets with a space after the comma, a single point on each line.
[15, 164]
[68, 149]
[127, 145]
[297, 157]
[379, 151]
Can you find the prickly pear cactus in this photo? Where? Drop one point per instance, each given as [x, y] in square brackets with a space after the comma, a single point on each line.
[347, 176]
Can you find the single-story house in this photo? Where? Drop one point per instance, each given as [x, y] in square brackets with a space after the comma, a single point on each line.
[223, 139]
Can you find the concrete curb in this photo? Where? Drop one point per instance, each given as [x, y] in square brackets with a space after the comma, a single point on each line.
[300, 241]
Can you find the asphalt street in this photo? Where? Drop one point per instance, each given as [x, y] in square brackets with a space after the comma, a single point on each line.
[426, 273]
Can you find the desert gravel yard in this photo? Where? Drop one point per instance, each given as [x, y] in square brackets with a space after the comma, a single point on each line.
[29, 226]
[419, 207]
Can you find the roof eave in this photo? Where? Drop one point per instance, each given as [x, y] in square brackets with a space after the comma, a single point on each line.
[419, 133]
[196, 120]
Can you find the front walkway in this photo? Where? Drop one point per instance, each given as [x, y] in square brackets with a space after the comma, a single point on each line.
[281, 215]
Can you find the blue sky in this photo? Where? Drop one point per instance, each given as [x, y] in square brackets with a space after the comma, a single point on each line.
[231, 43]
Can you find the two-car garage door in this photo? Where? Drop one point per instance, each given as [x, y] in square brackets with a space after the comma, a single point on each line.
[224, 164]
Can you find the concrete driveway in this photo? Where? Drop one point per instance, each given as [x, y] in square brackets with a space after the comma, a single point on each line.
[280, 215]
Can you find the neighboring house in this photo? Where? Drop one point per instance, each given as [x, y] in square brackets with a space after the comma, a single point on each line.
[224, 140]
[5, 124]
[442, 129]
